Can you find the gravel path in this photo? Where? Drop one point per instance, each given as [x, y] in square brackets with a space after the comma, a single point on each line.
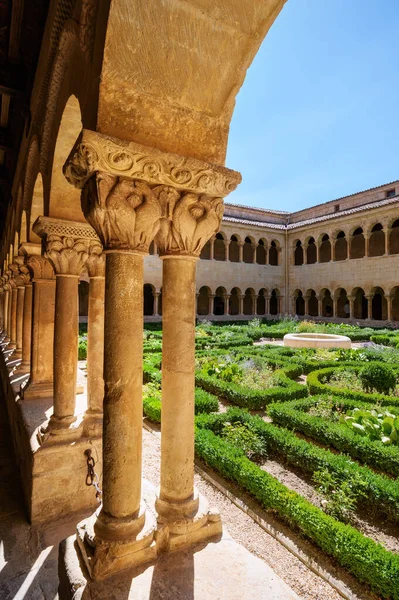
[245, 531]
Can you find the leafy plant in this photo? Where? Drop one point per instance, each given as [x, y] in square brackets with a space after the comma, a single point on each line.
[340, 498]
[378, 377]
[240, 436]
[383, 426]
[82, 347]
[255, 323]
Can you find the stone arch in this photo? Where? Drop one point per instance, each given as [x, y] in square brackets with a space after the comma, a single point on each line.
[311, 251]
[219, 307]
[299, 303]
[64, 200]
[394, 238]
[313, 303]
[203, 300]
[36, 207]
[358, 243]
[327, 306]
[234, 248]
[298, 253]
[234, 307]
[219, 247]
[261, 302]
[248, 250]
[341, 246]
[324, 248]
[360, 309]
[343, 307]
[377, 240]
[148, 299]
[273, 253]
[261, 253]
[379, 305]
[248, 301]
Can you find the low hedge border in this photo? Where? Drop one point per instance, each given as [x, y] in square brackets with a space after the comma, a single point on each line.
[204, 403]
[255, 399]
[382, 492]
[340, 437]
[364, 558]
[317, 387]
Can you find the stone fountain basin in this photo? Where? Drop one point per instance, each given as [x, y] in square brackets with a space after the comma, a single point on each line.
[316, 340]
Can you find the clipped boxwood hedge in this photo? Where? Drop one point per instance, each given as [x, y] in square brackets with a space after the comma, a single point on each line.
[364, 558]
[382, 492]
[204, 403]
[255, 399]
[337, 435]
[317, 387]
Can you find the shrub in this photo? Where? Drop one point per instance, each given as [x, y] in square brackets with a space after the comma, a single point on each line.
[82, 347]
[242, 437]
[340, 497]
[380, 378]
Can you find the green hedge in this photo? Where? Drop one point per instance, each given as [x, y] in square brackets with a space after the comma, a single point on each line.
[340, 437]
[316, 387]
[204, 403]
[255, 399]
[364, 558]
[387, 339]
[382, 492]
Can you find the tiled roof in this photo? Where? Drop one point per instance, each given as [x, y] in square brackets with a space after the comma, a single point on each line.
[266, 210]
[336, 215]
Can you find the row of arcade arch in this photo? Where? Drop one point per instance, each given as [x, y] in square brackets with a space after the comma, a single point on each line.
[358, 244]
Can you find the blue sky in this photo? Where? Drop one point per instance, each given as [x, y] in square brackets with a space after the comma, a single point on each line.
[318, 115]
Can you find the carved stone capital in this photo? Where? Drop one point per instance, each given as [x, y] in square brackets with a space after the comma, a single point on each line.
[96, 261]
[124, 213]
[39, 267]
[187, 222]
[67, 244]
[97, 153]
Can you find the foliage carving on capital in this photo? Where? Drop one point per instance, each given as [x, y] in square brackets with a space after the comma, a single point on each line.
[96, 261]
[40, 267]
[188, 221]
[124, 213]
[66, 254]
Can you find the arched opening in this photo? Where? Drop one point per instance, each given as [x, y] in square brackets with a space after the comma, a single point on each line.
[327, 307]
[248, 302]
[219, 247]
[248, 251]
[313, 304]
[273, 254]
[378, 305]
[261, 302]
[299, 303]
[394, 238]
[206, 251]
[343, 307]
[151, 249]
[274, 302]
[83, 293]
[148, 300]
[311, 252]
[64, 198]
[234, 308]
[341, 247]
[360, 304]
[234, 249]
[325, 249]
[261, 253]
[395, 304]
[298, 254]
[358, 244]
[36, 208]
[377, 241]
[219, 301]
[203, 301]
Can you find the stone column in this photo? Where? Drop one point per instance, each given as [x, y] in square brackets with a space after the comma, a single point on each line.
[366, 244]
[1, 309]
[254, 299]
[24, 367]
[210, 307]
[306, 298]
[369, 306]
[253, 253]
[13, 315]
[212, 248]
[95, 345]
[20, 316]
[240, 251]
[387, 231]
[40, 383]
[335, 307]
[351, 306]
[226, 301]
[241, 298]
[67, 246]
[333, 241]
[317, 251]
[7, 295]
[267, 304]
[156, 302]
[319, 306]
[389, 307]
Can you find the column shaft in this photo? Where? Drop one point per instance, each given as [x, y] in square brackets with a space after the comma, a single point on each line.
[95, 346]
[20, 319]
[13, 337]
[27, 329]
[123, 378]
[66, 331]
[178, 363]
[2, 311]
[7, 315]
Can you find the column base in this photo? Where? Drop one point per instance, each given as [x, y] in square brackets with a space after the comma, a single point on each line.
[40, 389]
[93, 424]
[187, 524]
[23, 368]
[60, 430]
[104, 557]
